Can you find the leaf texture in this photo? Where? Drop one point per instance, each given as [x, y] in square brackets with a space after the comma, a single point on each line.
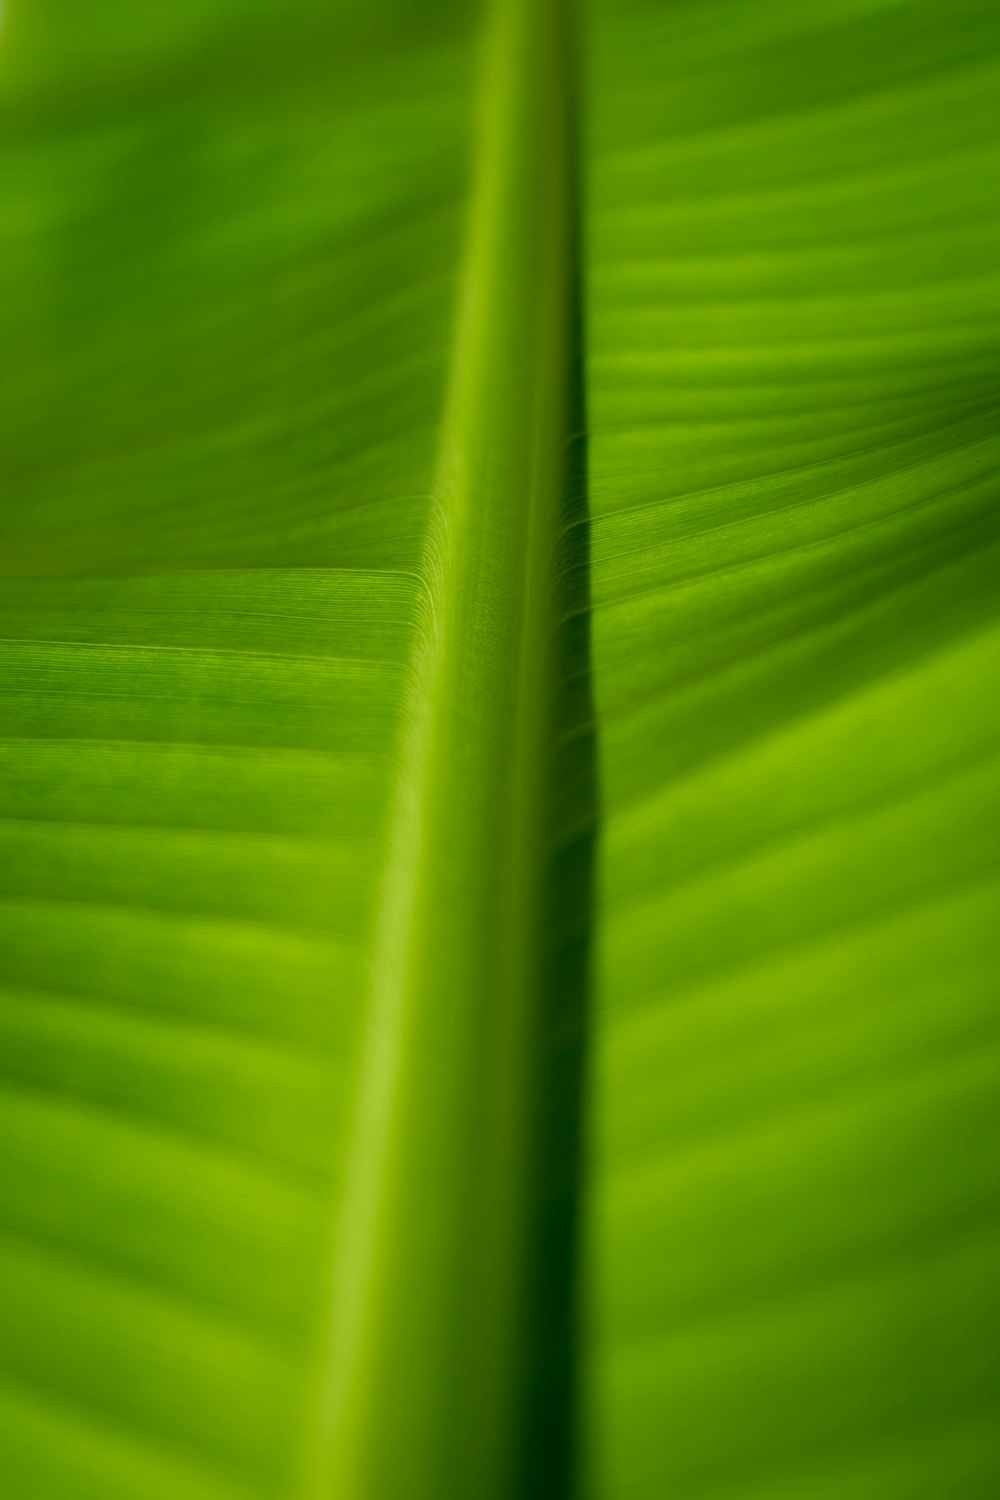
[793, 309]
[230, 264]
[498, 749]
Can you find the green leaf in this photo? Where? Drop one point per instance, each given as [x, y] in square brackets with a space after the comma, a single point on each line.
[498, 796]
[233, 235]
[794, 311]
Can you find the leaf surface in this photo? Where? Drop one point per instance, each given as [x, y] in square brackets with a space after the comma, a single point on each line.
[231, 242]
[793, 310]
[498, 750]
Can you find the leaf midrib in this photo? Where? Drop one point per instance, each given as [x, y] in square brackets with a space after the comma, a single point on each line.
[433, 1269]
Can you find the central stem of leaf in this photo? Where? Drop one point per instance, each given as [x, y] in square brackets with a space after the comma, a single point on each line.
[429, 1381]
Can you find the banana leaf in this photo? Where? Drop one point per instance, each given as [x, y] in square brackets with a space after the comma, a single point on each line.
[499, 733]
